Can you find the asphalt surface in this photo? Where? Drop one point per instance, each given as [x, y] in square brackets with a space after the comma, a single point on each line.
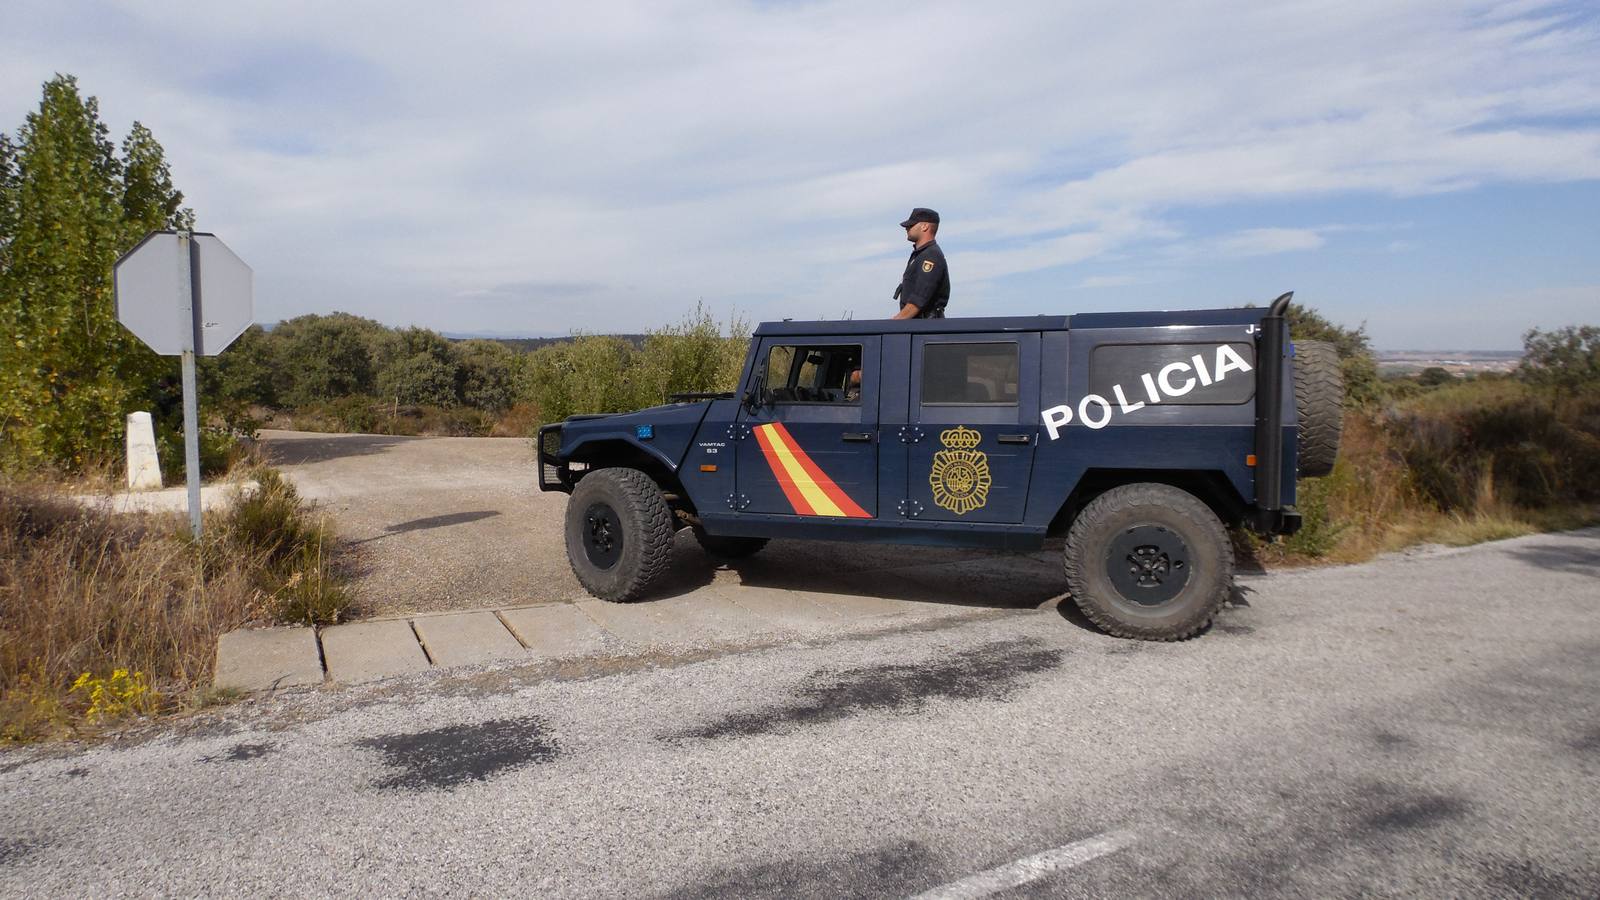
[1425, 725]
[433, 524]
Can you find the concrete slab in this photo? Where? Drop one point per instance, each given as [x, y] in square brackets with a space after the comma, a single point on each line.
[261, 659]
[556, 631]
[461, 639]
[780, 610]
[692, 620]
[212, 496]
[367, 651]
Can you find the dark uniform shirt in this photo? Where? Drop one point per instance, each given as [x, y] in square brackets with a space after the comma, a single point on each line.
[926, 284]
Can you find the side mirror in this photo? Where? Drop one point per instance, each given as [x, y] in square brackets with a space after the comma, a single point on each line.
[757, 396]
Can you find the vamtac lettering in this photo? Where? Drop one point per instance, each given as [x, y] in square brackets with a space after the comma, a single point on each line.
[1096, 412]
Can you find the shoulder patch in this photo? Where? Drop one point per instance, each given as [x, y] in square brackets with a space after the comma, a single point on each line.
[927, 265]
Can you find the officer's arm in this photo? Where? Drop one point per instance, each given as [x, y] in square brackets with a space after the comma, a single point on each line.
[907, 312]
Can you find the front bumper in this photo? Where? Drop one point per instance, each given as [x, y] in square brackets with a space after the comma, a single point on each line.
[554, 474]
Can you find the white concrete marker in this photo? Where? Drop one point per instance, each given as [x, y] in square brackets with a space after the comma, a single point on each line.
[144, 469]
[1030, 868]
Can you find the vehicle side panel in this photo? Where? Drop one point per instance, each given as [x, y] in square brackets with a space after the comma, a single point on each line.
[1171, 434]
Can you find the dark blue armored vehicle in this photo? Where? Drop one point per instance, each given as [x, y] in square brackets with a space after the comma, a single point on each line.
[1141, 437]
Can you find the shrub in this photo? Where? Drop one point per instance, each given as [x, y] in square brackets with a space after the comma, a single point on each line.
[489, 373]
[294, 547]
[1433, 376]
[594, 373]
[1472, 444]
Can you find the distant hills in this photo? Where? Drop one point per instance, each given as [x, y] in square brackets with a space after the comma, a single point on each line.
[529, 344]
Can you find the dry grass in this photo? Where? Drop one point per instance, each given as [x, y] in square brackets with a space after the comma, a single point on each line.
[85, 595]
[1464, 464]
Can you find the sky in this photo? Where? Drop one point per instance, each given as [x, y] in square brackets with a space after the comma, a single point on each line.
[1429, 169]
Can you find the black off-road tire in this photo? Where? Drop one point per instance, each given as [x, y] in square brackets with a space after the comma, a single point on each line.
[1116, 550]
[619, 533]
[729, 547]
[1319, 399]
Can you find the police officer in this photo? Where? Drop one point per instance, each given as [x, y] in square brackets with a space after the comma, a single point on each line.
[925, 288]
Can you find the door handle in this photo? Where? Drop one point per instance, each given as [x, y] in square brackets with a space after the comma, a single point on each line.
[858, 436]
[1014, 438]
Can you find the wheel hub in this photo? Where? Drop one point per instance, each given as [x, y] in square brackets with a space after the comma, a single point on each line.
[602, 535]
[1148, 564]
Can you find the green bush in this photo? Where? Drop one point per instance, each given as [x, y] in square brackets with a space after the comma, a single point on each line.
[595, 373]
[489, 374]
[326, 358]
[418, 379]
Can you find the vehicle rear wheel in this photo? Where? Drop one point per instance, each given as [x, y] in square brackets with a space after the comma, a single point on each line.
[619, 533]
[1149, 561]
[729, 547]
[1319, 401]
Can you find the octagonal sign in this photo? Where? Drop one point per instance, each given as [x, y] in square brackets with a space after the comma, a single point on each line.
[154, 281]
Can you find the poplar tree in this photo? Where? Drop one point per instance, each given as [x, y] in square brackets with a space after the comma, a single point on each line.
[69, 373]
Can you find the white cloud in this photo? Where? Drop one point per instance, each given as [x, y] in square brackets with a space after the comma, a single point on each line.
[410, 163]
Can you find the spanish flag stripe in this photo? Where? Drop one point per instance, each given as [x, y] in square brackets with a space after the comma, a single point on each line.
[790, 489]
[785, 461]
[835, 494]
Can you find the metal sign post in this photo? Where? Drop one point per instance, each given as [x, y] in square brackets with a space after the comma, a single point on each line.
[188, 303]
[185, 293]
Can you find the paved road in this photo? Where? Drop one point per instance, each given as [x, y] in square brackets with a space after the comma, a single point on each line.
[1425, 725]
[459, 523]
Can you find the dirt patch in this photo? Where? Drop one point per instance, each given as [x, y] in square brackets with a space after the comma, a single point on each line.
[989, 672]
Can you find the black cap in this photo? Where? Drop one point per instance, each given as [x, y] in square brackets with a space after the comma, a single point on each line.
[920, 215]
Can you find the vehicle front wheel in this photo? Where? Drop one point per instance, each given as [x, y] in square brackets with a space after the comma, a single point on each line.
[619, 533]
[1149, 561]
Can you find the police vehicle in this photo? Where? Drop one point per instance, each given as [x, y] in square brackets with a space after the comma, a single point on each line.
[1139, 436]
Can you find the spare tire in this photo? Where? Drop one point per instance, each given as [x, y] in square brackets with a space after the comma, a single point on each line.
[1319, 400]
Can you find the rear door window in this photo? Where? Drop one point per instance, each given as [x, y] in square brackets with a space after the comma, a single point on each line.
[976, 374]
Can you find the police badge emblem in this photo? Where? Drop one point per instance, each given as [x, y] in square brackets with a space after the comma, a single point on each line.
[960, 477]
[927, 265]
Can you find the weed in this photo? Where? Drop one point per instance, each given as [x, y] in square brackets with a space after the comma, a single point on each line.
[118, 695]
[104, 615]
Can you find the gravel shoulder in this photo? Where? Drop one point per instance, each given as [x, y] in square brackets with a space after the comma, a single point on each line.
[460, 523]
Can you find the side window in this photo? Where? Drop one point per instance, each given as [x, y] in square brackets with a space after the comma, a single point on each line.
[970, 374]
[812, 373]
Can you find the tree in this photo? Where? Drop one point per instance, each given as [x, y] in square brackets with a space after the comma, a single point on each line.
[1566, 358]
[326, 357]
[70, 373]
[489, 372]
[1433, 376]
[149, 201]
[418, 379]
